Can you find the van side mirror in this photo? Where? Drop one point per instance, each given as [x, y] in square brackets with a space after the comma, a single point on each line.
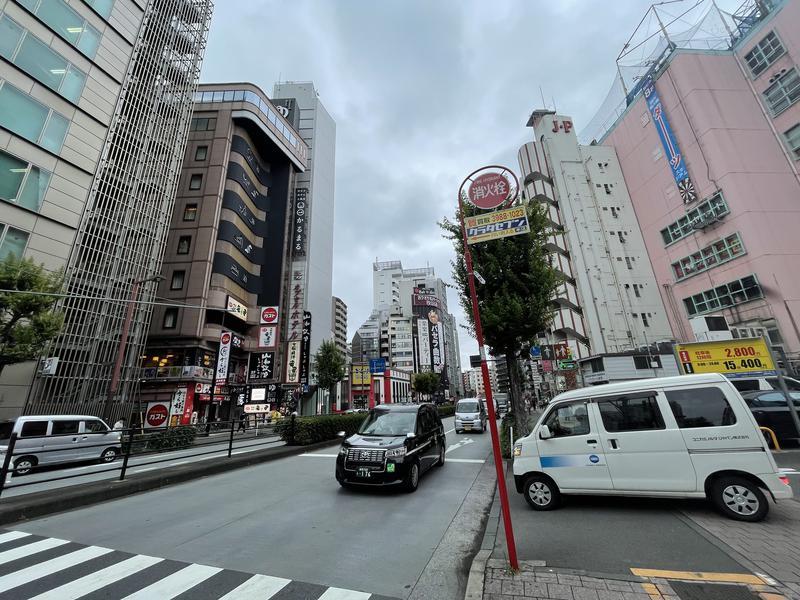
[411, 435]
[545, 433]
[340, 434]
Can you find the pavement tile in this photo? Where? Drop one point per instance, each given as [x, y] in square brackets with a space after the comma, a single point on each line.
[547, 577]
[535, 589]
[492, 586]
[557, 590]
[635, 596]
[582, 593]
[609, 595]
[665, 588]
[569, 579]
[619, 586]
[513, 588]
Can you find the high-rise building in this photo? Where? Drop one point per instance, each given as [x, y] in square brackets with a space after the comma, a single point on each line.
[707, 130]
[611, 283]
[339, 321]
[95, 99]
[228, 264]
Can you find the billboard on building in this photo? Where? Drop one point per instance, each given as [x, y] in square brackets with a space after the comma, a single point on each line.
[236, 308]
[360, 375]
[744, 357]
[431, 351]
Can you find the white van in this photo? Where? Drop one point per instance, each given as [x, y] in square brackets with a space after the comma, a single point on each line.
[50, 440]
[683, 437]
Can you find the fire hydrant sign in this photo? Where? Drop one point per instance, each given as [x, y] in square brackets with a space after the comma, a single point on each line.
[746, 357]
[489, 191]
[496, 225]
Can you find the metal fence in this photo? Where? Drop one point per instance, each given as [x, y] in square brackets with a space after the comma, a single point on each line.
[116, 448]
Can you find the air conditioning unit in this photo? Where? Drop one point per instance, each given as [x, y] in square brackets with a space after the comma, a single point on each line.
[710, 328]
[748, 332]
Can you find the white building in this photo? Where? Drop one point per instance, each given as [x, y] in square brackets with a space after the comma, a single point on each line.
[610, 281]
[615, 367]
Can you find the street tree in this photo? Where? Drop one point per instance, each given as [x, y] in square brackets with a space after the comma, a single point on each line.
[425, 383]
[516, 302]
[329, 365]
[28, 294]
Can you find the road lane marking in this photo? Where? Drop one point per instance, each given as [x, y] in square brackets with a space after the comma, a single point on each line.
[476, 461]
[449, 431]
[175, 584]
[333, 593]
[698, 576]
[23, 576]
[258, 586]
[321, 455]
[12, 535]
[459, 444]
[23, 551]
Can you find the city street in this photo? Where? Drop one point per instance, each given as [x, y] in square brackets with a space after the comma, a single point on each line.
[287, 518]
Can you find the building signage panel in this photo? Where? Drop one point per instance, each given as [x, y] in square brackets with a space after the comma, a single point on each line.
[258, 394]
[293, 362]
[178, 401]
[547, 366]
[223, 357]
[426, 297]
[297, 292]
[236, 308]
[300, 225]
[260, 367]
[267, 336]
[305, 348]
[256, 408]
[676, 163]
[496, 225]
[424, 345]
[360, 375]
[437, 347]
[377, 366]
[489, 190]
[745, 357]
[157, 414]
[269, 315]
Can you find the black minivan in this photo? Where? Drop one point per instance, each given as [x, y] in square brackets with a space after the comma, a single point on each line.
[395, 444]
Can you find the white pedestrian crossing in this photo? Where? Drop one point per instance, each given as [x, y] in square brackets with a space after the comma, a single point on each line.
[36, 568]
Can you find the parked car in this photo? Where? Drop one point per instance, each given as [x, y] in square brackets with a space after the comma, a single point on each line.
[395, 445]
[755, 384]
[50, 440]
[470, 415]
[771, 410]
[680, 437]
[501, 402]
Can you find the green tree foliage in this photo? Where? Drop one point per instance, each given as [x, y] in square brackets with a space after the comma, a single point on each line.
[516, 302]
[27, 320]
[329, 364]
[425, 383]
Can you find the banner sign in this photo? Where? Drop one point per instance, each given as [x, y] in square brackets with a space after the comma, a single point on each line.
[293, 362]
[676, 163]
[496, 225]
[267, 336]
[360, 375]
[437, 346]
[296, 301]
[426, 297]
[269, 315]
[746, 357]
[178, 401]
[236, 308]
[260, 367]
[223, 357]
[300, 226]
[305, 348]
[424, 345]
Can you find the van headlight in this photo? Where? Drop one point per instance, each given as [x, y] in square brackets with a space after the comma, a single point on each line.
[517, 449]
[395, 452]
[342, 450]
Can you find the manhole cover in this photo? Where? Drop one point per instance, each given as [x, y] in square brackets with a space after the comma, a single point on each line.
[711, 591]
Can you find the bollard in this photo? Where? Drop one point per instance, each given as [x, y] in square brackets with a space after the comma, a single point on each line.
[7, 461]
[230, 440]
[127, 455]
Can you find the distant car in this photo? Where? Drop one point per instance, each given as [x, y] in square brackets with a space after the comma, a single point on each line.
[350, 411]
[764, 384]
[770, 410]
[501, 402]
[470, 415]
[50, 440]
[395, 444]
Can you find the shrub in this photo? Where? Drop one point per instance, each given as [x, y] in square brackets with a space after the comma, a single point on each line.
[319, 428]
[446, 410]
[505, 443]
[171, 438]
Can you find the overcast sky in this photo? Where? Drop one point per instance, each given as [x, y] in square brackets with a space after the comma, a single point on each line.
[422, 92]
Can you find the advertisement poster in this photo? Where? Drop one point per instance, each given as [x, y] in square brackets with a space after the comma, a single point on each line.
[744, 357]
[293, 362]
[223, 357]
[260, 367]
[496, 225]
[267, 336]
[428, 309]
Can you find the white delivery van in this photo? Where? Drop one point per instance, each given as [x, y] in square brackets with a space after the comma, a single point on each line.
[684, 437]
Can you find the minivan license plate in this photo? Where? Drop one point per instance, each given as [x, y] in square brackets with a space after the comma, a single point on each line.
[363, 472]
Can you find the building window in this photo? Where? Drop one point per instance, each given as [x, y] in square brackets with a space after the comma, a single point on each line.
[647, 362]
[103, 7]
[763, 54]
[39, 60]
[784, 92]
[195, 181]
[201, 152]
[177, 280]
[21, 182]
[724, 296]
[636, 288]
[31, 119]
[190, 212]
[170, 318]
[645, 322]
[70, 25]
[628, 262]
[12, 241]
[712, 255]
[184, 243]
[793, 140]
[699, 217]
[202, 124]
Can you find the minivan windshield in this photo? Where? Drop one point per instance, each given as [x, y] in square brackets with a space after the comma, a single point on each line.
[385, 422]
[6, 427]
[467, 406]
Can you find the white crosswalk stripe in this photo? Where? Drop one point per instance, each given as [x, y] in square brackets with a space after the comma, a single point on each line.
[52, 577]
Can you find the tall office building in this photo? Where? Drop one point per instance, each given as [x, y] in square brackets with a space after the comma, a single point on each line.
[94, 106]
[610, 296]
[705, 120]
[339, 321]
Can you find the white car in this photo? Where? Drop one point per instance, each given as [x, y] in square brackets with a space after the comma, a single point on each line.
[681, 437]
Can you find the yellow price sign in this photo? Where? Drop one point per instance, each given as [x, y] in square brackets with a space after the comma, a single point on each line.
[747, 357]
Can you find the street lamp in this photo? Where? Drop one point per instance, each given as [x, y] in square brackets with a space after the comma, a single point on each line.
[123, 342]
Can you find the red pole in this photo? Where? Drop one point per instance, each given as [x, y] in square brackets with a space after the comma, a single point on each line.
[123, 342]
[498, 460]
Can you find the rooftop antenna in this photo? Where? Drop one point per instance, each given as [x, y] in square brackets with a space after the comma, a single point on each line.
[554, 104]
[544, 104]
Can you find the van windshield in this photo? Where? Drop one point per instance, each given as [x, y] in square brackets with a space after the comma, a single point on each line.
[465, 407]
[6, 427]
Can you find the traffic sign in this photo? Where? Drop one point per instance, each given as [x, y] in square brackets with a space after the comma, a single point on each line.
[377, 366]
[536, 352]
[489, 190]
[567, 365]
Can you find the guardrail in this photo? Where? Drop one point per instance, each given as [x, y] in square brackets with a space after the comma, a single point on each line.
[23, 454]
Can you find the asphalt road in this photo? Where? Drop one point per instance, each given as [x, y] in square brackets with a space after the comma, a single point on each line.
[288, 518]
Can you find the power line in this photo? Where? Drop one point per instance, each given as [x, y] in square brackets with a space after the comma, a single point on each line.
[117, 301]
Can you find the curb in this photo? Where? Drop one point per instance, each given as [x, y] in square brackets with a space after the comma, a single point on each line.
[48, 502]
[477, 574]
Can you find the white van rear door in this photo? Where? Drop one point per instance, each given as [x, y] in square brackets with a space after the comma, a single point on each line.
[645, 451]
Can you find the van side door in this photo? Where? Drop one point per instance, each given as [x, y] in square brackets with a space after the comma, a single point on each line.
[96, 437]
[32, 436]
[63, 443]
[645, 451]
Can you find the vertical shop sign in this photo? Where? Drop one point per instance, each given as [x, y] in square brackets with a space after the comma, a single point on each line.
[293, 362]
[223, 357]
[305, 348]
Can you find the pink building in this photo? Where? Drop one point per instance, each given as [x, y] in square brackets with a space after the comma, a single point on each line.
[732, 247]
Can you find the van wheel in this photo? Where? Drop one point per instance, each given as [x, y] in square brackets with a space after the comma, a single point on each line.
[412, 479]
[23, 465]
[740, 499]
[109, 455]
[541, 493]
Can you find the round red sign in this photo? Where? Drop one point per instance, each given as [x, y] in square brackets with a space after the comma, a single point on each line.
[226, 338]
[489, 190]
[269, 315]
[157, 415]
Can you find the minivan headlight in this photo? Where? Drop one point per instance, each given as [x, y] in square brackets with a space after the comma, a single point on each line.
[395, 452]
[517, 449]
[343, 450]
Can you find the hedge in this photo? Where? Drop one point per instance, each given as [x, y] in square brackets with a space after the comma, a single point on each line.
[446, 410]
[320, 428]
[171, 438]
